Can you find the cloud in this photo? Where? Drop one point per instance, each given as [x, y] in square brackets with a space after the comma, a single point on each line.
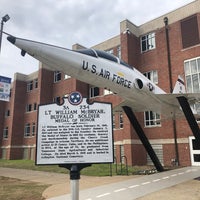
[66, 22]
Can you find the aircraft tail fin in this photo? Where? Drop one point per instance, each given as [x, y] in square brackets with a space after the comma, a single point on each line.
[179, 86]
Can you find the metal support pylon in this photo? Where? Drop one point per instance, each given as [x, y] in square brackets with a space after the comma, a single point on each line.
[190, 118]
[143, 138]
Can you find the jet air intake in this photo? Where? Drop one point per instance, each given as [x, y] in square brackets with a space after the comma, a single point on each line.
[140, 85]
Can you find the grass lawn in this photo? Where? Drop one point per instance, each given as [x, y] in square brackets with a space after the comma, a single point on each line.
[94, 170]
[14, 189]
[29, 164]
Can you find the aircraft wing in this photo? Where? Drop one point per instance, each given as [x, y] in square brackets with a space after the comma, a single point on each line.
[168, 105]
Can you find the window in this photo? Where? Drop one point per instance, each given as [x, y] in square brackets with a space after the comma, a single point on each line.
[57, 100]
[94, 91]
[57, 76]
[33, 128]
[28, 108]
[119, 52]
[32, 84]
[190, 31]
[5, 133]
[114, 121]
[7, 113]
[35, 106]
[118, 122]
[29, 86]
[147, 42]
[153, 76]
[192, 75]
[151, 119]
[36, 83]
[27, 130]
[121, 121]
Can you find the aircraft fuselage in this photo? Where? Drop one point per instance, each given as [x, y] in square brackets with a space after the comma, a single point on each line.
[96, 68]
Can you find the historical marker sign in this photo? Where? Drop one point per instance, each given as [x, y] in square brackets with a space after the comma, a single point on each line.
[75, 132]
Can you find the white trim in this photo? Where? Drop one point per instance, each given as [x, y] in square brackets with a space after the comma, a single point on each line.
[192, 152]
[154, 141]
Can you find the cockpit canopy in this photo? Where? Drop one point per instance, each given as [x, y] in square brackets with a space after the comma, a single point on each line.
[103, 54]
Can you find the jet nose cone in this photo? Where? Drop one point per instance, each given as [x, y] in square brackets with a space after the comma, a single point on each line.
[11, 39]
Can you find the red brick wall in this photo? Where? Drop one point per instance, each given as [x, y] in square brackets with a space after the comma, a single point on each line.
[139, 155]
[155, 59]
[19, 99]
[130, 49]
[45, 86]
[169, 154]
[184, 154]
[16, 153]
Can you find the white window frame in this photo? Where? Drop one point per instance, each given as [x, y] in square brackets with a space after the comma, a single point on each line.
[35, 106]
[35, 82]
[152, 75]
[28, 107]
[33, 128]
[148, 42]
[152, 119]
[192, 75]
[7, 113]
[5, 133]
[30, 86]
[121, 120]
[114, 126]
[193, 151]
[27, 130]
[92, 92]
[57, 76]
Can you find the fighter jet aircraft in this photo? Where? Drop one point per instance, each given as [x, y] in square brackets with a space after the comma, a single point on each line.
[108, 71]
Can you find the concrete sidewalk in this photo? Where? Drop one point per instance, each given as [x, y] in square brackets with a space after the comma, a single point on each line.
[176, 184]
[60, 183]
[35, 176]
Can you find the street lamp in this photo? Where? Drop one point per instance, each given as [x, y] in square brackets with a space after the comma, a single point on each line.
[4, 19]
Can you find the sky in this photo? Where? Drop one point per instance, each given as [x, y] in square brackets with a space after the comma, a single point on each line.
[67, 22]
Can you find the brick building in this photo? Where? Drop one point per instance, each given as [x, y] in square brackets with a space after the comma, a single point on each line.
[162, 49]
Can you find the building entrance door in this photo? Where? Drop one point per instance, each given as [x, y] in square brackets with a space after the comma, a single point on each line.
[194, 152]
